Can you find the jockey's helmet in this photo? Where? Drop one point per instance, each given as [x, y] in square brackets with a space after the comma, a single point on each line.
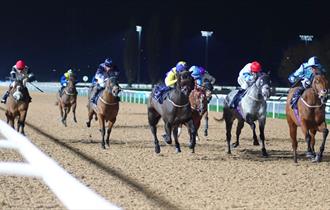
[108, 62]
[195, 71]
[20, 65]
[202, 70]
[181, 66]
[70, 71]
[255, 67]
[314, 61]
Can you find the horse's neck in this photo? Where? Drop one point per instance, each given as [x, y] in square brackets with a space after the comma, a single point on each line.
[108, 97]
[177, 96]
[310, 96]
[253, 92]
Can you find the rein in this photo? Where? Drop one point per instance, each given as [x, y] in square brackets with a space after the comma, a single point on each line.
[310, 106]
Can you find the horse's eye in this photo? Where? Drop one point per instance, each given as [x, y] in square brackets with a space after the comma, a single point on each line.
[317, 81]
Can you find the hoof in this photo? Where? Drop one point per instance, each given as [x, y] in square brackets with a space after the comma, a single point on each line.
[75, 120]
[103, 146]
[256, 143]
[310, 155]
[205, 133]
[178, 150]
[317, 159]
[157, 149]
[234, 145]
[167, 139]
[88, 124]
[264, 153]
[108, 143]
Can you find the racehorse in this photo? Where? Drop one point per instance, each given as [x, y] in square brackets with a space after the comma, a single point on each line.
[310, 115]
[17, 105]
[174, 110]
[208, 93]
[198, 103]
[67, 100]
[252, 107]
[106, 109]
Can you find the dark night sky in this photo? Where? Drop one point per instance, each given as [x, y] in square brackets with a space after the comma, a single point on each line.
[80, 34]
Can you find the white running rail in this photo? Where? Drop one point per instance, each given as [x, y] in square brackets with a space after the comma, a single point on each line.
[72, 193]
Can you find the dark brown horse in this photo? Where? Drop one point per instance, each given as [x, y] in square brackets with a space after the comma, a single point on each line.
[67, 100]
[198, 104]
[17, 105]
[174, 110]
[106, 109]
[310, 116]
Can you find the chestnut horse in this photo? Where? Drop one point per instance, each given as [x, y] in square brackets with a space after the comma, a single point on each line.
[67, 100]
[17, 105]
[198, 103]
[310, 115]
[175, 110]
[106, 108]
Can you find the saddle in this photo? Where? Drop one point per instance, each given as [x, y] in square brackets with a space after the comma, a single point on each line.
[160, 93]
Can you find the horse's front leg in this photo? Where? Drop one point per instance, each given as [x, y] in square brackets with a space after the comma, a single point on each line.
[323, 128]
[253, 127]
[168, 131]
[110, 125]
[175, 135]
[262, 123]
[206, 125]
[102, 129]
[192, 134]
[311, 151]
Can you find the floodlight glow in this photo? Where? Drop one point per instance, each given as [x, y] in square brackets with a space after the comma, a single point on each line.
[207, 33]
[138, 28]
[306, 38]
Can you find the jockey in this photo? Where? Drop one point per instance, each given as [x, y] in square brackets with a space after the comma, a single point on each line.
[64, 79]
[247, 77]
[305, 74]
[170, 80]
[19, 72]
[105, 70]
[197, 73]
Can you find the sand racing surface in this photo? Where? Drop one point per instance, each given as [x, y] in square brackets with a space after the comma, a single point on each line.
[132, 176]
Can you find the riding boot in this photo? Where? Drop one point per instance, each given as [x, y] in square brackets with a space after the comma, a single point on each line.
[95, 92]
[295, 97]
[237, 97]
[4, 97]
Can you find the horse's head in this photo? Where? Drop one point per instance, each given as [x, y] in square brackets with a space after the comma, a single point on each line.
[17, 90]
[263, 82]
[320, 86]
[71, 88]
[198, 100]
[184, 82]
[112, 86]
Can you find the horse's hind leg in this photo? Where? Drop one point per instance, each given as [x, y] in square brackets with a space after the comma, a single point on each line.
[21, 122]
[175, 135]
[325, 131]
[192, 134]
[293, 135]
[206, 125]
[168, 131]
[153, 118]
[74, 106]
[262, 123]
[229, 124]
[110, 125]
[90, 117]
[310, 150]
[240, 125]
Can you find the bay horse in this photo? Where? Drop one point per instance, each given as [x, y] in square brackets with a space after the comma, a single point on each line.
[174, 110]
[252, 107]
[67, 100]
[106, 109]
[198, 103]
[310, 116]
[17, 105]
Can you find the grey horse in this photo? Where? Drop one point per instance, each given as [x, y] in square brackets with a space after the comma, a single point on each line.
[252, 107]
[175, 110]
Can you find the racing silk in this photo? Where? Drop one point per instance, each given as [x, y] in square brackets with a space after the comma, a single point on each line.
[101, 75]
[170, 78]
[25, 75]
[304, 72]
[246, 78]
[209, 77]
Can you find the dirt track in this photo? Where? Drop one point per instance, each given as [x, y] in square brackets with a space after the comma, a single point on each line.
[132, 176]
